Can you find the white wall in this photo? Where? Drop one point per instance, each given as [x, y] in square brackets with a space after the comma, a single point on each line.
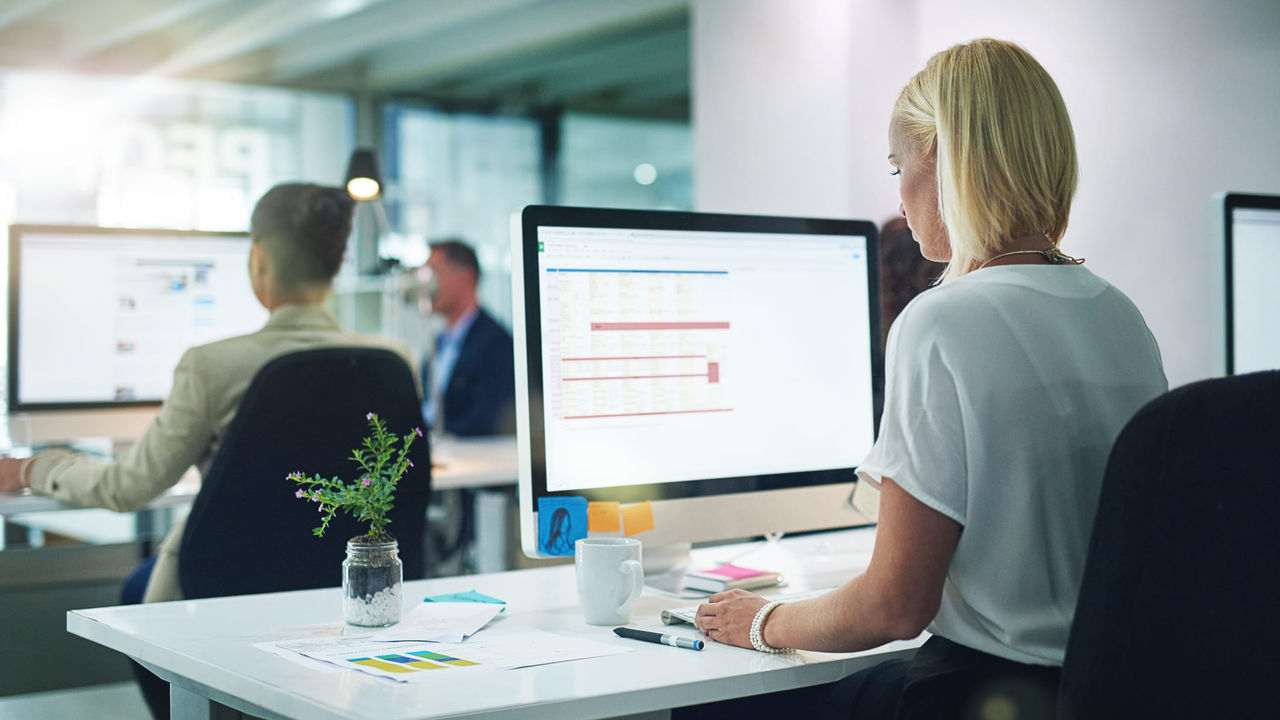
[791, 106]
[1172, 100]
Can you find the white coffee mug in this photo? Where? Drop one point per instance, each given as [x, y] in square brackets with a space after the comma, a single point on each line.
[609, 578]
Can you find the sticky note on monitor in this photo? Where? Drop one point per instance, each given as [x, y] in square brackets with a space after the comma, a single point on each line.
[604, 517]
[637, 518]
[562, 521]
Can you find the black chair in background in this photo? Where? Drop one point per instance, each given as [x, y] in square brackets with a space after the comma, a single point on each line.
[247, 532]
[1179, 609]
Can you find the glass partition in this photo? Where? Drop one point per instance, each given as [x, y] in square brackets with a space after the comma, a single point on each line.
[149, 152]
[460, 175]
[626, 163]
[157, 153]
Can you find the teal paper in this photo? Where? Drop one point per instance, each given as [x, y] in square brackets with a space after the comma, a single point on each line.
[468, 596]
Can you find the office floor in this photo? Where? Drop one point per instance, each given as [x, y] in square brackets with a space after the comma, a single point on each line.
[114, 701]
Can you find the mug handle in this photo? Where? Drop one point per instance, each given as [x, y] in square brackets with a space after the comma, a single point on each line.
[637, 584]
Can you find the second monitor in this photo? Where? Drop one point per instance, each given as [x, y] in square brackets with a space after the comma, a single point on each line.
[722, 367]
[99, 317]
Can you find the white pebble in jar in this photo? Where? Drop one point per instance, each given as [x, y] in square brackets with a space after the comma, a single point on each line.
[377, 610]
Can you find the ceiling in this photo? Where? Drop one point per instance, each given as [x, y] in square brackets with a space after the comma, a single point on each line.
[627, 57]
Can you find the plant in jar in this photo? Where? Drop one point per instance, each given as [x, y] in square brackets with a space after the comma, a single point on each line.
[372, 572]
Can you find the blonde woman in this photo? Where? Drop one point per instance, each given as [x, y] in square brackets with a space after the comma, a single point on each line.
[1006, 385]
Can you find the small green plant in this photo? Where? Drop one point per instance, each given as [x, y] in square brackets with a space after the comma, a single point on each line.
[383, 458]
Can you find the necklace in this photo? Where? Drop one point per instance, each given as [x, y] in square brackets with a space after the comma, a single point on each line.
[1052, 254]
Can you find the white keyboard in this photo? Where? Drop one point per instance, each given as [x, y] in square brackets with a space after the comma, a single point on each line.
[687, 613]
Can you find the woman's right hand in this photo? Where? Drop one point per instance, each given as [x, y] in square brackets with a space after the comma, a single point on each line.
[726, 617]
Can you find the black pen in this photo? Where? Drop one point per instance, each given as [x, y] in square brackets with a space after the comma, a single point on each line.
[653, 637]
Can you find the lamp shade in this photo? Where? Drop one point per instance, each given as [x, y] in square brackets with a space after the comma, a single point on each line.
[364, 178]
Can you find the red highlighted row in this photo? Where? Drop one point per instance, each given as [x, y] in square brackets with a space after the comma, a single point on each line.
[712, 375]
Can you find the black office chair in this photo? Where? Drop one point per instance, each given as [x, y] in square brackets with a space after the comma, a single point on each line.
[247, 532]
[1179, 609]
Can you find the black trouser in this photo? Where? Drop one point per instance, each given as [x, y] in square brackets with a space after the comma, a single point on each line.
[942, 680]
[154, 690]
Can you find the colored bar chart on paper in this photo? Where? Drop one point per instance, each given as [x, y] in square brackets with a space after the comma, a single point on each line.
[386, 663]
[415, 662]
[637, 343]
[412, 662]
[456, 662]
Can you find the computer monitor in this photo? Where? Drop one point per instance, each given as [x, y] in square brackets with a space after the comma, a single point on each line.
[1249, 233]
[722, 367]
[99, 317]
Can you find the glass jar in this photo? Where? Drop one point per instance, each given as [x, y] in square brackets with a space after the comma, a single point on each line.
[371, 581]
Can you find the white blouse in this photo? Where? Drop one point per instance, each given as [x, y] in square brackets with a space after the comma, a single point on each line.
[1004, 391]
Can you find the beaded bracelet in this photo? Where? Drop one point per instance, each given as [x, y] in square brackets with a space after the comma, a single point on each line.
[757, 630]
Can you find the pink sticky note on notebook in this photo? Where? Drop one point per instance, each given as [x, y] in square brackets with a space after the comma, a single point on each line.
[733, 572]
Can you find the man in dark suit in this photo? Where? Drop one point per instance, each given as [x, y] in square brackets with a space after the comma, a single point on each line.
[470, 381]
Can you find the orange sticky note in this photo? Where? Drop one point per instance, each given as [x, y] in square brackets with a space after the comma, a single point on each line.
[603, 517]
[637, 518]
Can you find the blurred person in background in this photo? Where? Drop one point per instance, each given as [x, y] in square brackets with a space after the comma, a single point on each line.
[904, 272]
[470, 380]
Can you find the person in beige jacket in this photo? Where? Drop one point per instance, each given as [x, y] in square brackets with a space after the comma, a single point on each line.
[299, 235]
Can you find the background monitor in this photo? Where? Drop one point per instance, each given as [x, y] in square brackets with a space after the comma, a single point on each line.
[721, 366]
[1250, 234]
[99, 317]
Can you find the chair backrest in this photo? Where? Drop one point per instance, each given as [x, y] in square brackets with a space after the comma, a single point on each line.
[1180, 603]
[305, 411]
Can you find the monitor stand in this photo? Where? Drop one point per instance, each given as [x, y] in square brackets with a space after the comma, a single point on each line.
[664, 568]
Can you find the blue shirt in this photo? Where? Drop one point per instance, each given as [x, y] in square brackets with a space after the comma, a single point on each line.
[448, 345]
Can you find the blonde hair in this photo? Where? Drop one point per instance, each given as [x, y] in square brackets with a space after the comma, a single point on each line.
[1006, 154]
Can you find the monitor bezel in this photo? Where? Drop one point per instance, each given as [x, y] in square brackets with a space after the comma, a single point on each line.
[1232, 201]
[535, 216]
[16, 232]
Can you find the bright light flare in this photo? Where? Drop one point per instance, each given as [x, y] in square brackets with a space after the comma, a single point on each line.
[645, 173]
[363, 188]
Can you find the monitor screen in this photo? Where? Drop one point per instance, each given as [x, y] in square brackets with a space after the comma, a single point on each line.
[99, 317]
[686, 356]
[1252, 234]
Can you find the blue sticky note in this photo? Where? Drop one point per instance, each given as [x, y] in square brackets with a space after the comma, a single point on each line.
[562, 521]
[468, 596]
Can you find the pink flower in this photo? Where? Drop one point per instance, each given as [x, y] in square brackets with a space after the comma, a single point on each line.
[315, 497]
[418, 430]
[366, 482]
[298, 494]
[368, 416]
[410, 463]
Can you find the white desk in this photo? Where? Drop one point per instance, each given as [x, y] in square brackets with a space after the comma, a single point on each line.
[16, 503]
[204, 648]
[458, 463]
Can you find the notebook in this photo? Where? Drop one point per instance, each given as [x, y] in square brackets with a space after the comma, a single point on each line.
[729, 576]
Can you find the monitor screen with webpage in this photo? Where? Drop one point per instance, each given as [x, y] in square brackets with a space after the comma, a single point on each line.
[722, 367]
[99, 317]
[1250, 231]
